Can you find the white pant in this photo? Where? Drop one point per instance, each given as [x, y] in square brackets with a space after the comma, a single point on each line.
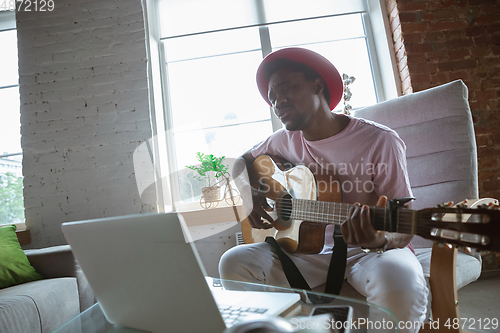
[394, 279]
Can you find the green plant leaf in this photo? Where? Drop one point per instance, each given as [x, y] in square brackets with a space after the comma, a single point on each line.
[209, 163]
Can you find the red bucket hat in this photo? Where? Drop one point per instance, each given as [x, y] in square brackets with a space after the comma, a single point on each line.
[320, 64]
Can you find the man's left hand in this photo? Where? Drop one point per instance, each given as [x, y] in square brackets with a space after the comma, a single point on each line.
[358, 230]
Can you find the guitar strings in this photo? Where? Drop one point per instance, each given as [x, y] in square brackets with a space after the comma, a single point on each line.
[405, 217]
[404, 225]
[378, 214]
[329, 217]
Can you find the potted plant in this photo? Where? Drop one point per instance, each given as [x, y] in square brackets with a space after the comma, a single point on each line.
[209, 171]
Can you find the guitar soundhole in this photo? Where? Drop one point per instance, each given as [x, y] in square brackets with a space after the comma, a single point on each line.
[286, 207]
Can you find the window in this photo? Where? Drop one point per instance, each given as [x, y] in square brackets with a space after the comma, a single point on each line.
[214, 105]
[11, 188]
[210, 56]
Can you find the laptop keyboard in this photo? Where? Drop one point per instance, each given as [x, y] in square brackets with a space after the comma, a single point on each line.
[233, 315]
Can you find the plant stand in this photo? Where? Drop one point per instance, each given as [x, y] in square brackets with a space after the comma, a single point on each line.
[210, 197]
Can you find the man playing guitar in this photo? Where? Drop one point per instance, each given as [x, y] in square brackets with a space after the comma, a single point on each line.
[368, 160]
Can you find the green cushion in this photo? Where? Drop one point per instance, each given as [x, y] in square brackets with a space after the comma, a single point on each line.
[15, 267]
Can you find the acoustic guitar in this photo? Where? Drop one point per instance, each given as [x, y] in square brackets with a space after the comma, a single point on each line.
[306, 202]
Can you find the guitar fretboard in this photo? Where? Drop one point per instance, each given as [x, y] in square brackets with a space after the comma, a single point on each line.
[336, 213]
[319, 211]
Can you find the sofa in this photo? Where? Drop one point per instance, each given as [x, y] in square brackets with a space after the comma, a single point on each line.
[46, 304]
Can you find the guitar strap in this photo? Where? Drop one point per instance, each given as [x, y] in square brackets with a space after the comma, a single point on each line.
[336, 270]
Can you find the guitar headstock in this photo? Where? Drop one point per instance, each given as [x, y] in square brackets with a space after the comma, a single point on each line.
[463, 226]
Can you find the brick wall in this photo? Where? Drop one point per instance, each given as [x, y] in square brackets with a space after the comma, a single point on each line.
[438, 41]
[84, 110]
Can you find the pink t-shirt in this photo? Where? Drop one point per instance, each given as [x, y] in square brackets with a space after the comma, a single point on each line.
[369, 159]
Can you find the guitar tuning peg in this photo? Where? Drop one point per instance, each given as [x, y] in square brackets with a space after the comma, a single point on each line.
[465, 249]
[445, 204]
[449, 246]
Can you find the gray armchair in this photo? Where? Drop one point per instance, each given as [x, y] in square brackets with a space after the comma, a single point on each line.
[436, 125]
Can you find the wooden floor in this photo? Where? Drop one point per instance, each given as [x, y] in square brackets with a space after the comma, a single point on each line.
[480, 301]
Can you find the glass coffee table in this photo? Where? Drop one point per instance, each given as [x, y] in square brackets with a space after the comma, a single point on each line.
[314, 312]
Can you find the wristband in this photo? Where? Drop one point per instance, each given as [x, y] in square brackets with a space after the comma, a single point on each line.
[379, 250]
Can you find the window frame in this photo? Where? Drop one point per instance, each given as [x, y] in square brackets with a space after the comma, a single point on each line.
[382, 61]
[8, 23]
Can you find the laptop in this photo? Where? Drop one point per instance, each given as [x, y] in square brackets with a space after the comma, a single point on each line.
[146, 273]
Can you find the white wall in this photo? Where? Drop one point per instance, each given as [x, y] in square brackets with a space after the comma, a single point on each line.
[84, 109]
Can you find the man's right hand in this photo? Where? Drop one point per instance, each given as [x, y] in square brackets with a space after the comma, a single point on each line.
[254, 201]
[259, 218]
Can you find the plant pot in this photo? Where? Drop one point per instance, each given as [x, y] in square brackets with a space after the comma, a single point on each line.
[211, 194]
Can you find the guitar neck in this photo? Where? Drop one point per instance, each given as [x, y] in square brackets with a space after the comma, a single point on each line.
[336, 213]
[473, 224]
